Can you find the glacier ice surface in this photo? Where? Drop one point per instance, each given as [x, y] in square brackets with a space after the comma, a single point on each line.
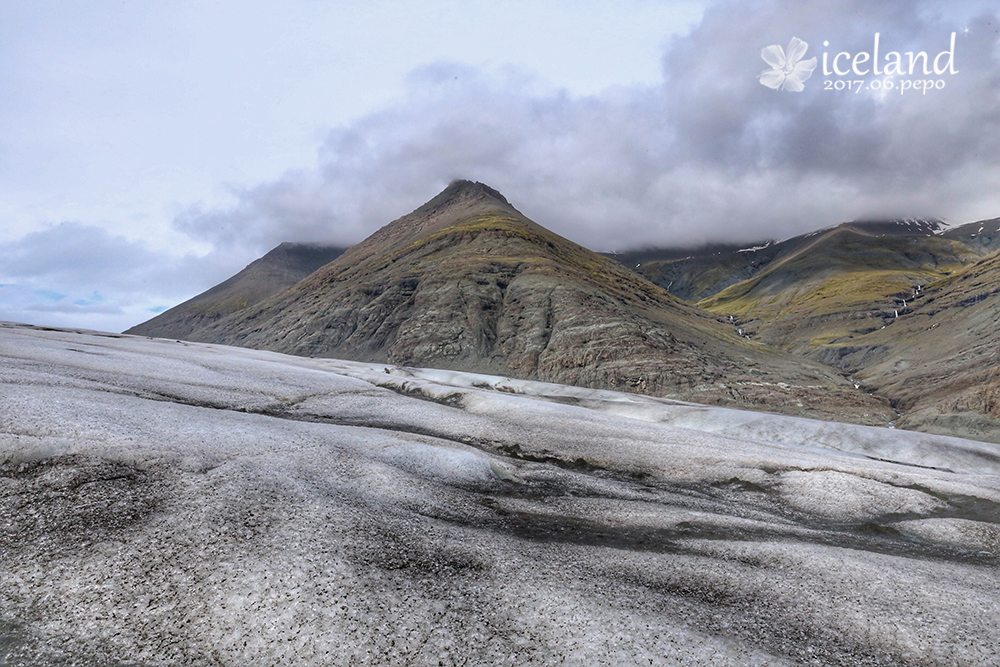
[164, 502]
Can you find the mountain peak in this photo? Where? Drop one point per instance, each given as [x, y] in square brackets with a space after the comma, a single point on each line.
[474, 188]
[461, 191]
[461, 200]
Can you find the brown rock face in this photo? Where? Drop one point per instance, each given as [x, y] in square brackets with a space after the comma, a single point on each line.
[467, 282]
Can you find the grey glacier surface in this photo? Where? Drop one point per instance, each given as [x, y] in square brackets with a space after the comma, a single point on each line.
[168, 503]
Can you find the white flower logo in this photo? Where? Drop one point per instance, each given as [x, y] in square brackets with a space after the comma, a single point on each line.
[788, 70]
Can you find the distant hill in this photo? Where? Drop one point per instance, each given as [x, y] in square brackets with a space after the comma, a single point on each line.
[693, 274]
[836, 285]
[278, 270]
[908, 308]
[467, 282]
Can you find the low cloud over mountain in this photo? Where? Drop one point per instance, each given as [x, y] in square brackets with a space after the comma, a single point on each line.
[709, 154]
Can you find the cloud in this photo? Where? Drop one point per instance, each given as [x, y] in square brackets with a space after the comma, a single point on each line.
[708, 155]
[74, 274]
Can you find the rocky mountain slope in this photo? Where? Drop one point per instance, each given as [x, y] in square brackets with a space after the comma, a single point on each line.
[694, 274]
[172, 503]
[939, 361]
[278, 270]
[908, 308]
[836, 285]
[468, 282]
[983, 236]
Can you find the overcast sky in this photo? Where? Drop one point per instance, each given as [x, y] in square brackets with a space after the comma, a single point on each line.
[150, 150]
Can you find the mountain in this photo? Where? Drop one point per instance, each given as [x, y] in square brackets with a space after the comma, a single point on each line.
[908, 308]
[276, 271]
[938, 362]
[837, 284]
[702, 272]
[467, 282]
[821, 288]
[983, 236]
[693, 274]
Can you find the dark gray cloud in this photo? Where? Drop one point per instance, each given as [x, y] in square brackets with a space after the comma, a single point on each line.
[709, 154]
